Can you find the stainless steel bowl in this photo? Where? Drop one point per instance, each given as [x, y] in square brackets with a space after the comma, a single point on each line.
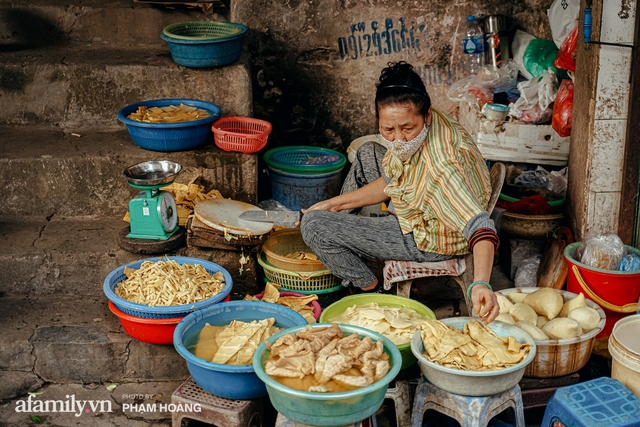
[154, 172]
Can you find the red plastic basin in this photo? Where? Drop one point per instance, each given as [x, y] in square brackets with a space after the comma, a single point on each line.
[152, 331]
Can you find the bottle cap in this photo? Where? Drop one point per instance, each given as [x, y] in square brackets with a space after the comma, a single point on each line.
[471, 18]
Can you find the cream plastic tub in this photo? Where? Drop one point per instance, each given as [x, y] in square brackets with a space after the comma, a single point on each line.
[624, 347]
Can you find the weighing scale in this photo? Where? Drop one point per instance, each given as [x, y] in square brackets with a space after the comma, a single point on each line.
[153, 215]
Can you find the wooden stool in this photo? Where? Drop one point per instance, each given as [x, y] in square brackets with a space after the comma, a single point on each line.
[213, 409]
[282, 421]
[469, 411]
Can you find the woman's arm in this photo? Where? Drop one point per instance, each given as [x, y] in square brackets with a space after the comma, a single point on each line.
[484, 301]
[370, 194]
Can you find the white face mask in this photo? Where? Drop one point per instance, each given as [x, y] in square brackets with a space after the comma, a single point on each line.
[403, 150]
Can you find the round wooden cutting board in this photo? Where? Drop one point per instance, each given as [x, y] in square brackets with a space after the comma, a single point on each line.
[222, 214]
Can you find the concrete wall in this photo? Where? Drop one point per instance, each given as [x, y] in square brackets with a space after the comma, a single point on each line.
[316, 62]
[602, 103]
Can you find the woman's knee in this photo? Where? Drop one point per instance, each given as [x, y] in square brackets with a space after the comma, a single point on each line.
[312, 226]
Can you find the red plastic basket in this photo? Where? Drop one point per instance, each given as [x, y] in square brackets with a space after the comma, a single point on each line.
[242, 134]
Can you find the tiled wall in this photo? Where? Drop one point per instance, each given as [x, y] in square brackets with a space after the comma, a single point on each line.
[610, 121]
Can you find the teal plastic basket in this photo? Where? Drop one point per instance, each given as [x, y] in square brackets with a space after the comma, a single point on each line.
[204, 30]
[304, 160]
[204, 44]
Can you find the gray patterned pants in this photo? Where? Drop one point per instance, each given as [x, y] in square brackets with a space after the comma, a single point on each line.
[342, 239]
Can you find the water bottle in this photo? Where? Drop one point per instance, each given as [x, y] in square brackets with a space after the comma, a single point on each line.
[473, 45]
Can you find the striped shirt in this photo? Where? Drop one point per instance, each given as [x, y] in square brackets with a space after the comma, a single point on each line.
[440, 188]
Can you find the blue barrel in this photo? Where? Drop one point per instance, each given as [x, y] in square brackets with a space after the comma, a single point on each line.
[297, 191]
[302, 176]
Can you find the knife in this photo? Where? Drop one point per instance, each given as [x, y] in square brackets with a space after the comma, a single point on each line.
[270, 216]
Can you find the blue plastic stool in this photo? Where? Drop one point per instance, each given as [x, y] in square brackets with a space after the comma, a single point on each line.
[603, 402]
[469, 411]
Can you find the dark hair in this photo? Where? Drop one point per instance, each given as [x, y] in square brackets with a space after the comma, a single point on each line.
[399, 84]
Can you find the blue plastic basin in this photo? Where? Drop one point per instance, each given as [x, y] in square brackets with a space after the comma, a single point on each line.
[170, 136]
[229, 381]
[159, 312]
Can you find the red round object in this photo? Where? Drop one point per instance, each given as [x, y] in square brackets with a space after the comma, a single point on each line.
[241, 134]
[317, 310]
[152, 331]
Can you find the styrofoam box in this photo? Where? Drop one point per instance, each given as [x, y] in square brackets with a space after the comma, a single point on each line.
[512, 141]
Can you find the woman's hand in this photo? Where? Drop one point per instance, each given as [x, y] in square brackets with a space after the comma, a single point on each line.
[485, 303]
[332, 205]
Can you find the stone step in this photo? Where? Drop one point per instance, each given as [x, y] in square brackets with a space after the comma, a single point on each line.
[58, 339]
[48, 172]
[60, 256]
[119, 406]
[99, 23]
[77, 88]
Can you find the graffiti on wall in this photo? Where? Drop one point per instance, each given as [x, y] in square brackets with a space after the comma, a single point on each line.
[389, 37]
[379, 38]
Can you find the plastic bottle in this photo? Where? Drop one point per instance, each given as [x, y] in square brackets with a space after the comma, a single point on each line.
[473, 45]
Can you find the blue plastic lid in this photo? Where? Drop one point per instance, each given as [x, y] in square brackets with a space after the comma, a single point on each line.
[498, 107]
[471, 18]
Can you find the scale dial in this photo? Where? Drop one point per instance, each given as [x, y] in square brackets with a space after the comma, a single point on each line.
[168, 211]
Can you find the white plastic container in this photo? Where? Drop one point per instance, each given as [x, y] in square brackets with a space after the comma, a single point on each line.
[495, 112]
[624, 347]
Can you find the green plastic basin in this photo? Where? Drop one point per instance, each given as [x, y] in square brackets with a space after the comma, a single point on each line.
[328, 409]
[338, 307]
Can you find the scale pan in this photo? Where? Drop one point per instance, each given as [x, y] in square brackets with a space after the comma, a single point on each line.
[154, 172]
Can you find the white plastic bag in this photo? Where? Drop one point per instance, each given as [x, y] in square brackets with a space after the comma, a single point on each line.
[540, 91]
[518, 46]
[527, 272]
[563, 15]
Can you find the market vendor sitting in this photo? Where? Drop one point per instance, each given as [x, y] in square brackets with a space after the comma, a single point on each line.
[435, 181]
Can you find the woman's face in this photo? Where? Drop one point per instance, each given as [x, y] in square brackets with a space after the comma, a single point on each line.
[400, 121]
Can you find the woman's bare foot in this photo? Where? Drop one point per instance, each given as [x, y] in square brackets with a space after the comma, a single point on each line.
[371, 286]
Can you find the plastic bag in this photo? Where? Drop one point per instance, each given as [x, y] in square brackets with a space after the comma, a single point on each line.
[538, 92]
[527, 272]
[555, 181]
[566, 59]
[629, 262]
[518, 46]
[563, 15]
[501, 79]
[539, 55]
[602, 251]
[470, 89]
[562, 116]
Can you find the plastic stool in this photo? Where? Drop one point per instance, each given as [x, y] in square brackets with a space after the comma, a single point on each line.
[401, 396]
[469, 411]
[215, 410]
[603, 402]
[282, 421]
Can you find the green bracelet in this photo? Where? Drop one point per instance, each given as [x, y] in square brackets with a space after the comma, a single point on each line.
[477, 282]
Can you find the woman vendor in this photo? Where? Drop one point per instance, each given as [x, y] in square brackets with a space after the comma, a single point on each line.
[435, 181]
